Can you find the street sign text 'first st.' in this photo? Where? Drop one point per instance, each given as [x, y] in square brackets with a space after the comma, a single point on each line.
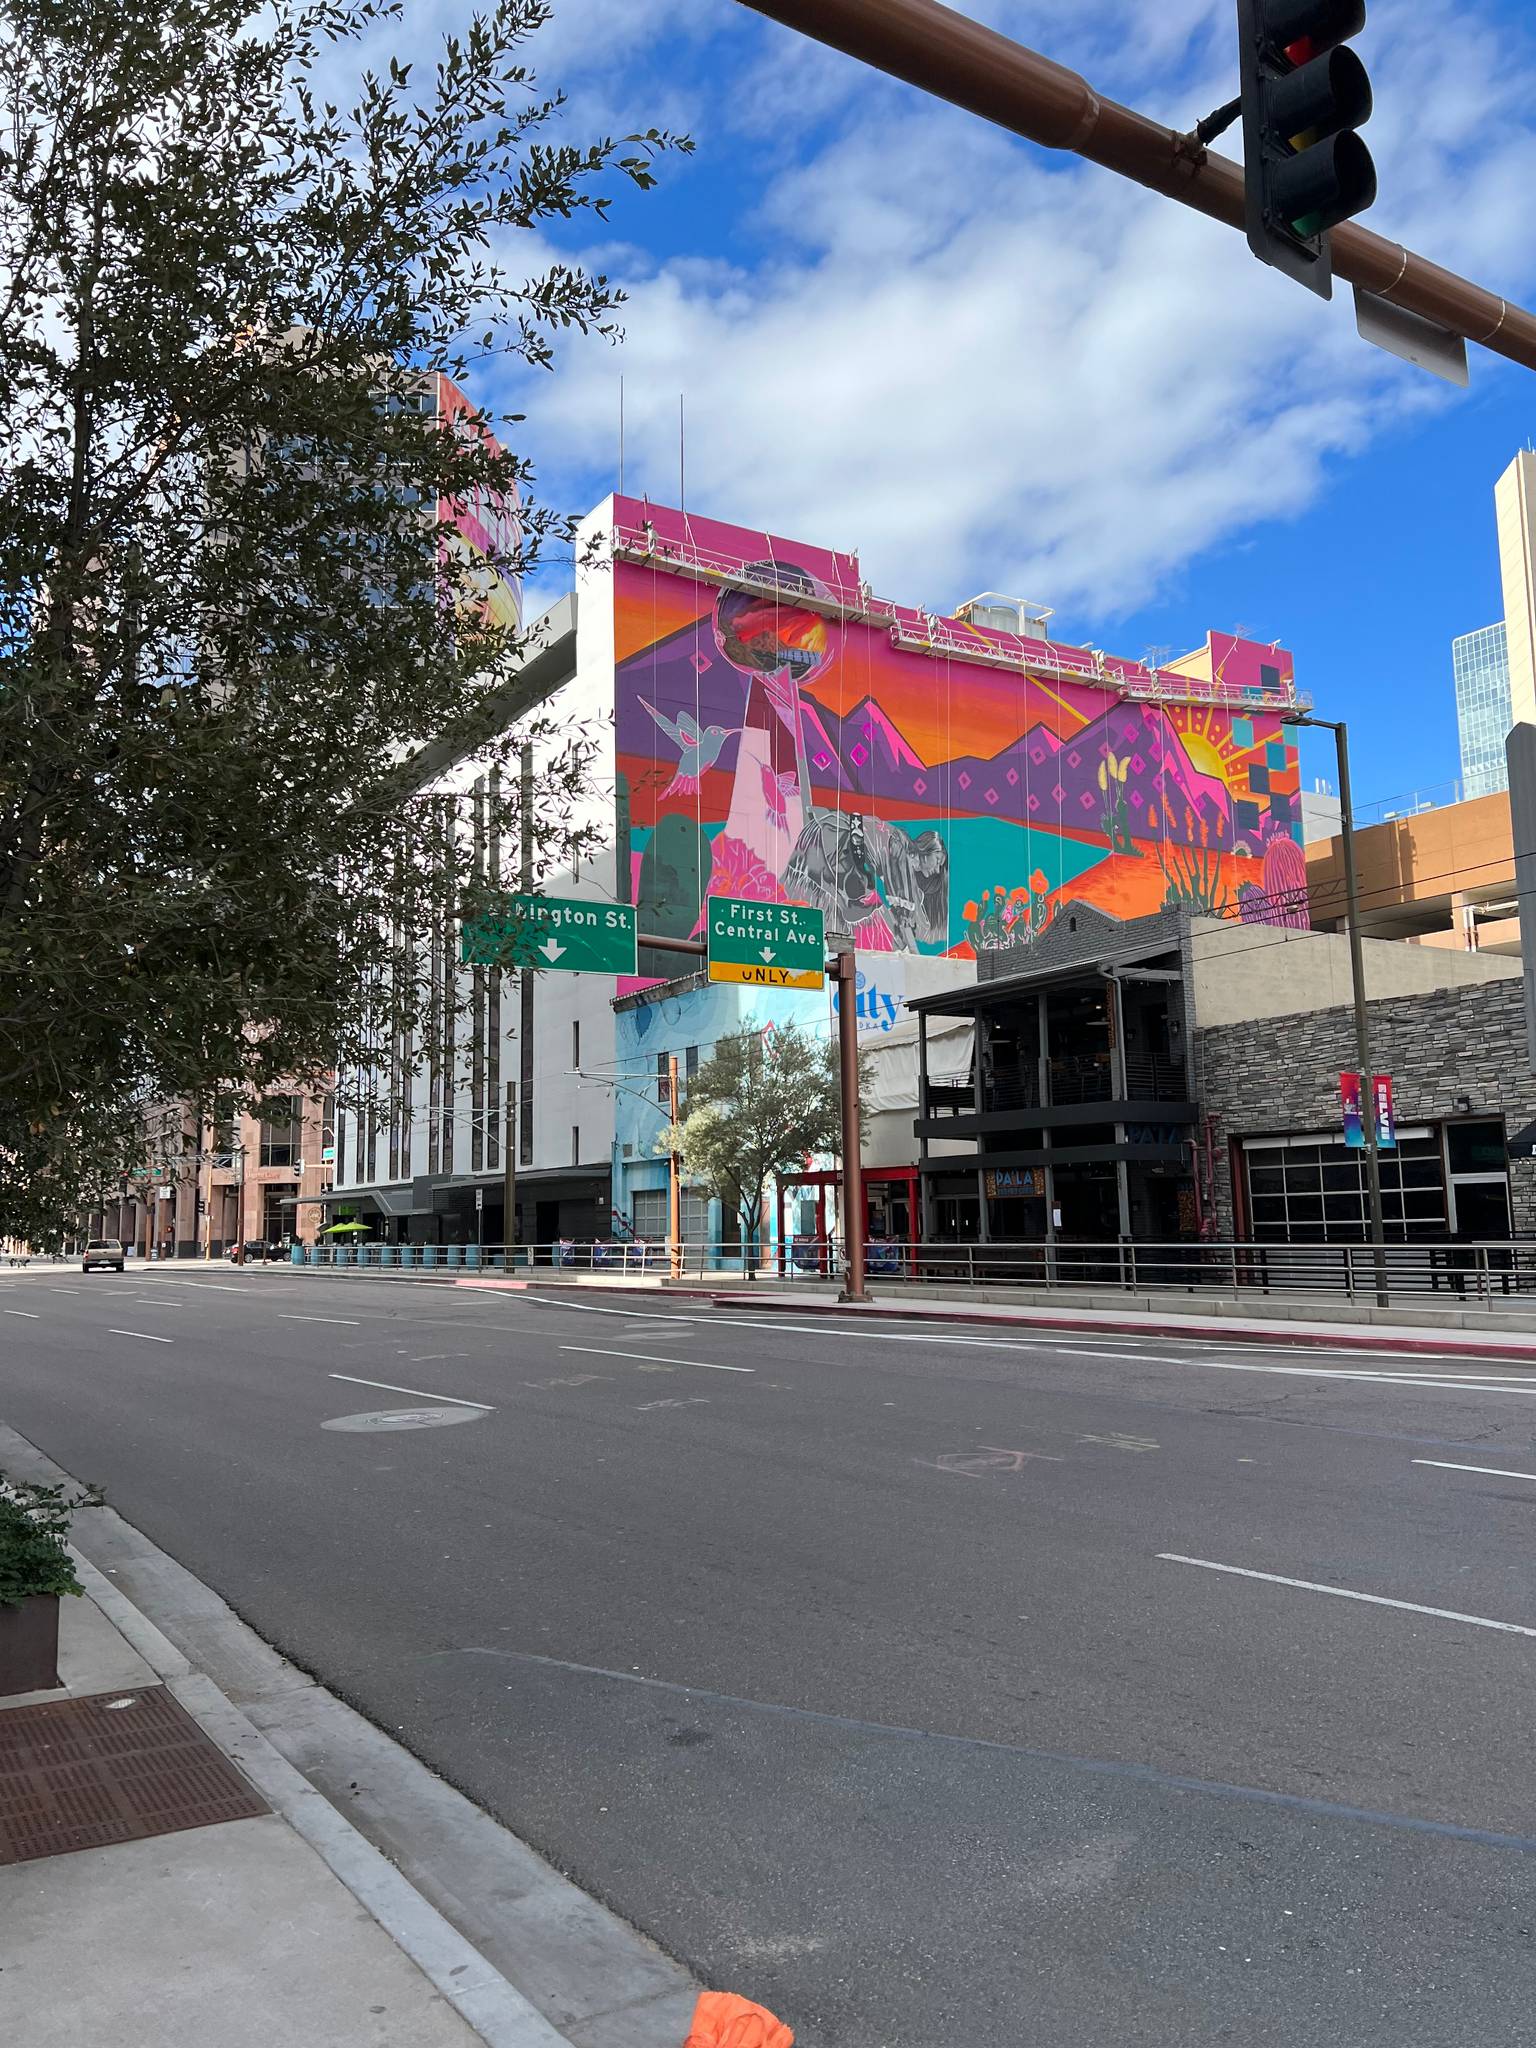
[567, 933]
[767, 945]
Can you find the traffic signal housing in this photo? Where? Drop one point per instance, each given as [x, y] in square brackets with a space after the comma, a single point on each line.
[1303, 97]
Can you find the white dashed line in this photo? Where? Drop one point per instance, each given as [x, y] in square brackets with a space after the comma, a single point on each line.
[448, 1400]
[1512, 1628]
[654, 1358]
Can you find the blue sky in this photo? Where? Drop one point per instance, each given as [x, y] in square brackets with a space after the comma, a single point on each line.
[988, 366]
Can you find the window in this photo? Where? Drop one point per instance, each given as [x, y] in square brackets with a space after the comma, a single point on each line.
[662, 1082]
[575, 1144]
[1312, 1189]
[576, 1045]
[280, 1130]
[651, 1214]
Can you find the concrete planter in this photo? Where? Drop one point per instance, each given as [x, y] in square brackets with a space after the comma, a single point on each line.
[29, 1645]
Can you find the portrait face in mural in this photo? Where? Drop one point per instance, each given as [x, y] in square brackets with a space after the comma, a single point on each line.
[766, 635]
[888, 890]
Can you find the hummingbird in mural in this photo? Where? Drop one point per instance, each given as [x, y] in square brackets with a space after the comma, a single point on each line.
[698, 748]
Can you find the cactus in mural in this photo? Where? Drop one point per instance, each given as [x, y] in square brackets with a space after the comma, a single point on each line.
[1193, 877]
[1116, 819]
[1009, 917]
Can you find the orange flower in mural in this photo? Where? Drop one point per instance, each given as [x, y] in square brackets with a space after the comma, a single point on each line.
[970, 913]
[1038, 882]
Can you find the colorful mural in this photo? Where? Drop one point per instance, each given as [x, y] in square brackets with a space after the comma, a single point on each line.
[929, 785]
[486, 526]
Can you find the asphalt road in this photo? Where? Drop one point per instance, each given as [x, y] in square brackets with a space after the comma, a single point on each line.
[886, 1676]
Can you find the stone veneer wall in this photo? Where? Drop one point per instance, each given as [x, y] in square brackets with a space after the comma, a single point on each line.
[1281, 1074]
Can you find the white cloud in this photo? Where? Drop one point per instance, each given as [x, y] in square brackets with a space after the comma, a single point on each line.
[978, 365]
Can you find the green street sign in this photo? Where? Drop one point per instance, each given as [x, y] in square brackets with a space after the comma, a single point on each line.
[767, 945]
[567, 933]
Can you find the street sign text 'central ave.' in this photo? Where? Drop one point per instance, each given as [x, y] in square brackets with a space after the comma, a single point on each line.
[768, 945]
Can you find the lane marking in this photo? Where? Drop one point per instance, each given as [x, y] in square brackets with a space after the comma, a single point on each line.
[30, 1314]
[1096, 1767]
[211, 1286]
[1493, 1471]
[1068, 1346]
[147, 1336]
[1511, 1628]
[352, 1322]
[592, 1308]
[421, 1394]
[1476, 1383]
[703, 1364]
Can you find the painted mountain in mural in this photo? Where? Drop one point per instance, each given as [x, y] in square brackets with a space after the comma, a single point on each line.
[1047, 777]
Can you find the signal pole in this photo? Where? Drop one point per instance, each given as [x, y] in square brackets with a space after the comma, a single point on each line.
[973, 67]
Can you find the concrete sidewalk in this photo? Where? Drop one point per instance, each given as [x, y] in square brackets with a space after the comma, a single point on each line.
[171, 1926]
[236, 1932]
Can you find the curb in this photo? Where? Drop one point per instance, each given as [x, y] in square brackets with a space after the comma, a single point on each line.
[478, 1910]
[481, 1996]
[1275, 1335]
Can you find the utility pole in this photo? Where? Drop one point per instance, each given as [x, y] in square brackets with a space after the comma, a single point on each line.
[843, 968]
[853, 1288]
[674, 1178]
[509, 1175]
[973, 67]
[1362, 1020]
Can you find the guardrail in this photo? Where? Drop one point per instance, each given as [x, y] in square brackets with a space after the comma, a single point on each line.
[1491, 1275]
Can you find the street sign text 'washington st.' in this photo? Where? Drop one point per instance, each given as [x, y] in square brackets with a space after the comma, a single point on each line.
[561, 932]
[769, 945]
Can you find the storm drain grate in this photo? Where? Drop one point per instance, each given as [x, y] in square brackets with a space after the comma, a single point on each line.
[78, 1774]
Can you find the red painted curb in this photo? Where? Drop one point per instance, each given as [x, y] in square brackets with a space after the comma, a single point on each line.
[1457, 1347]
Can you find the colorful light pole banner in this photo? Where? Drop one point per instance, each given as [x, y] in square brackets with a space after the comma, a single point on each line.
[1386, 1116]
[1349, 1100]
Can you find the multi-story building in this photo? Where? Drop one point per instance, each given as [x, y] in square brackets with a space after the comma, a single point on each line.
[940, 788]
[1177, 1076]
[243, 1176]
[1480, 664]
[1442, 877]
[1495, 667]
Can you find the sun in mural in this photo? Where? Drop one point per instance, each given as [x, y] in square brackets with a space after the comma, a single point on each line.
[1207, 740]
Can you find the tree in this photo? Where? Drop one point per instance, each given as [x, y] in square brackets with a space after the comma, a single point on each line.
[253, 545]
[762, 1105]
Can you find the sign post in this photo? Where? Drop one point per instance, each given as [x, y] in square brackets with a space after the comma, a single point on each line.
[766, 945]
[569, 934]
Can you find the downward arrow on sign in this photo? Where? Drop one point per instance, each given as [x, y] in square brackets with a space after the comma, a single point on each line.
[551, 949]
[767, 953]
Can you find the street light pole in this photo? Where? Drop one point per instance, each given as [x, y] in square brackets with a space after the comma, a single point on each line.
[1362, 1020]
[674, 1177]
[509, 1173]
[853, 1288]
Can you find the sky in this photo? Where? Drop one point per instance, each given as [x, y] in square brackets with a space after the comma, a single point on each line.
[981, 365]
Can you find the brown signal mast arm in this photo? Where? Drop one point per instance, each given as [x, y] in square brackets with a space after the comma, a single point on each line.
[974, 67]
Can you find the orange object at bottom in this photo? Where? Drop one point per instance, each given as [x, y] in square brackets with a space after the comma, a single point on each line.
[722, 2020]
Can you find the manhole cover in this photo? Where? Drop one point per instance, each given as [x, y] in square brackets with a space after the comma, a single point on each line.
[79, 1774]
[406, 1418]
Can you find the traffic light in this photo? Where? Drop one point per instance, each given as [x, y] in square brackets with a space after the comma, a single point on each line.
[1303, 97]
